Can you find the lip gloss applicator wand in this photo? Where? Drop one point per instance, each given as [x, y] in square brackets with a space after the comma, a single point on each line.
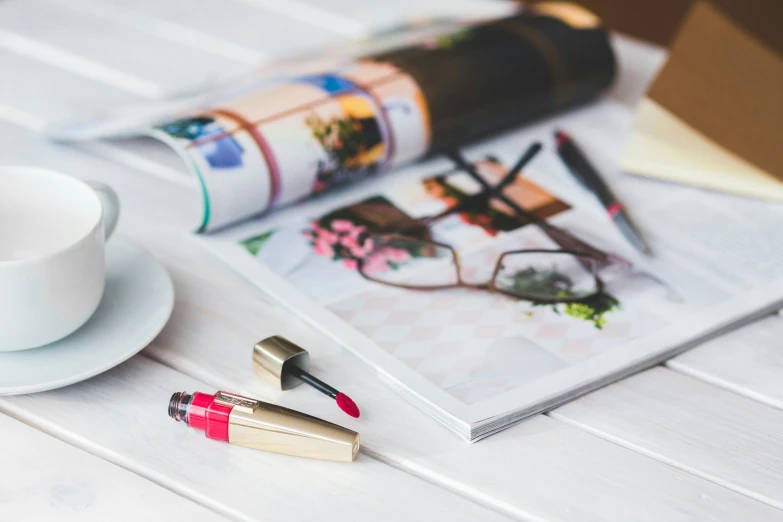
[286, 365]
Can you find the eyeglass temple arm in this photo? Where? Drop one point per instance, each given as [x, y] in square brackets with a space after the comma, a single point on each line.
[463, 164]
[488, 191]
[558, 235]
[512, 174]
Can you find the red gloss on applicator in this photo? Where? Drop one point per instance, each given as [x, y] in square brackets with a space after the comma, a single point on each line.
[344, 402]
[286, 365]
[347, 405]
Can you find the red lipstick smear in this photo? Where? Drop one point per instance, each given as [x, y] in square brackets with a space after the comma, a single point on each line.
[347, 405]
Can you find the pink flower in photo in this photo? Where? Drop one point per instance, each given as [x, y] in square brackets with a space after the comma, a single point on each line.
[356, 231]
[323, 248]
[344, 241]
[358, 252]
[349, 242]
[328, 236]
[342, 225]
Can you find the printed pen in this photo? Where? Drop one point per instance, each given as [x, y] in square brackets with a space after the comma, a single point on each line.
[588, 177]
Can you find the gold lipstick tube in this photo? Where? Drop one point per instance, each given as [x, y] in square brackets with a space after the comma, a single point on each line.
[260, 425]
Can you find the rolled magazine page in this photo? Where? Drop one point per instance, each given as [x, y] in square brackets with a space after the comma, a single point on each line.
[298, 137]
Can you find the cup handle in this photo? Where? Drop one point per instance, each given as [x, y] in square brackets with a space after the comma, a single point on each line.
[111, 206]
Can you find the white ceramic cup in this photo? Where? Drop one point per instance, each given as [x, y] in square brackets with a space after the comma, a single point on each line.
[52, 266]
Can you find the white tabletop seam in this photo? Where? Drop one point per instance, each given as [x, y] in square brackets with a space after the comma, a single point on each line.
[665, 460]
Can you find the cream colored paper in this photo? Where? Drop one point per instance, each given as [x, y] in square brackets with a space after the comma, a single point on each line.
[665, 147]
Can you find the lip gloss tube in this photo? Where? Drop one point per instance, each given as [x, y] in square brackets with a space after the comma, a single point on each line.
[260, 425]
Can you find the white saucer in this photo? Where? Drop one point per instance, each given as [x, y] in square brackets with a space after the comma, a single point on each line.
[136, 304]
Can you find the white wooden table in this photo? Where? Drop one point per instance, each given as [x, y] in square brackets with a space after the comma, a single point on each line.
[699, 438]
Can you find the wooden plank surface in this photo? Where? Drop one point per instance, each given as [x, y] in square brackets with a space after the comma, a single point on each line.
[708, 431]
[41, 93]
[46, 479]
[748, 361]
[235, 29]
[127, 58]
[121, 417]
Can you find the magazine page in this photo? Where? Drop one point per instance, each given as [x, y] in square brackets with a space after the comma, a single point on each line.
[272, 145]
[477, 355]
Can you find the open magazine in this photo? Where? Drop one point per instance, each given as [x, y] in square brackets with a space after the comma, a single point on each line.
[479, 361]
[481, 306]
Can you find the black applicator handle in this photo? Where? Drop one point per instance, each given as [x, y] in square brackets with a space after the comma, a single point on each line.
[316, 383]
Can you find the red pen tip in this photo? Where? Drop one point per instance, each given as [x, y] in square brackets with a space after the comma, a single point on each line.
[561, 137]
[347, 405]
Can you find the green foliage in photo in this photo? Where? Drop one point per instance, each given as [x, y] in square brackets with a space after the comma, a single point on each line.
[256, 243]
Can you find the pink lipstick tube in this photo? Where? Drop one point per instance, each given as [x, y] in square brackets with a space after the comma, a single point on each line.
[260, 425]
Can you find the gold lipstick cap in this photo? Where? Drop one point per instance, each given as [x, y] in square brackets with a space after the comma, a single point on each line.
[273, 354]
[259, 425]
